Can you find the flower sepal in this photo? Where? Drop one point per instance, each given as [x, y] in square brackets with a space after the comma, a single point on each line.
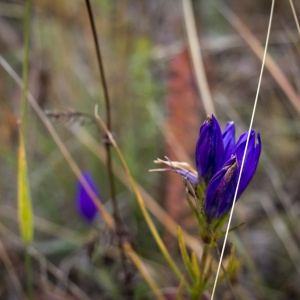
[222, 233]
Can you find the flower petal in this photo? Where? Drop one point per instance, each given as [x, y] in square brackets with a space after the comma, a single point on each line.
[251, 160]
[250, 165]
[209, 149]
[85, 204]
[228, 140]
[241, 144]
[221, 189]
[190, 177]
[184, 173]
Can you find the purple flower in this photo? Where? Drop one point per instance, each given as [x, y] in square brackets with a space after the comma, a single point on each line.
[209, 149]
[252, 158]
[189, 176]
[85, 204]
[228, 140]
[218, 161]
[221, 188]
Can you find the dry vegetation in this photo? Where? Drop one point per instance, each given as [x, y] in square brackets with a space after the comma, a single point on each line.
[156, 110]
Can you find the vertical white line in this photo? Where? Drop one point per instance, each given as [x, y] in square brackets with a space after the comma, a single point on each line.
[244, 156]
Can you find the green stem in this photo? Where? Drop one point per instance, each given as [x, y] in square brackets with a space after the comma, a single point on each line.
[28, 264]
[28, 267]
[203, 263]
[200, 284]
[25, 68]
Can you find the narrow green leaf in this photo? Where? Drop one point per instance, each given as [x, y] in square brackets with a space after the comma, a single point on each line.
[180, 289]
[233, 265]
[195, 265]
[24, 199]
[222, 233]
[184, 254]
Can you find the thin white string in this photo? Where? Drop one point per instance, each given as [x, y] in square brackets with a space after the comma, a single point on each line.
[244, 156]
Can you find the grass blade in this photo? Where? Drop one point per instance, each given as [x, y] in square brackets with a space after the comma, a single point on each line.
[24, 197]
[185, 257]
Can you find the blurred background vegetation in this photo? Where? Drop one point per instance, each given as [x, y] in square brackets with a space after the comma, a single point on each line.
[156, 111]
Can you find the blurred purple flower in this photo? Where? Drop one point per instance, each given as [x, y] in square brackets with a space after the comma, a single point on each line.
[85, 205]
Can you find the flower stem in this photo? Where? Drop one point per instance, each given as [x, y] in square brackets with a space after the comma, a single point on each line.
[28, 266]
[25, 69]
[120, 229]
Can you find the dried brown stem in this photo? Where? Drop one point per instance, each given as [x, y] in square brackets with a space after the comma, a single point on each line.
[120, 229]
